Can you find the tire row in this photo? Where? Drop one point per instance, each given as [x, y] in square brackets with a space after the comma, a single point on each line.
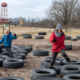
[19, 54]
[72, 39]
[29, 36]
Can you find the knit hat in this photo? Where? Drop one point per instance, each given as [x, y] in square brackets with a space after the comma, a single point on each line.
[58, 26]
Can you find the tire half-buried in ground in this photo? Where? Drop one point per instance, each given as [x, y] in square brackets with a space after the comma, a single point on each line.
[78, 37]
[12, 78]
[68, 46]
[69, 69]
[73, 39]
[25, 34]
[72, 77]
[75, 62]
[40, 73]
[42, 33]
[13, 63]
[22, 55]
[55, 67]
[1, 61]
[50, 78]
[58, 58]
[39, 37]
[67, 37]
[3, 56]
[27, 37]
[17, 56]
[47, 62]
[41, 53]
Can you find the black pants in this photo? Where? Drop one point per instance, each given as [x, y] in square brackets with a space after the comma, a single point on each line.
[8, 50]
[54, 55]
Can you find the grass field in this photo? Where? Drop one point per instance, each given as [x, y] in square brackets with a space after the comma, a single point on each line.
[20, 30]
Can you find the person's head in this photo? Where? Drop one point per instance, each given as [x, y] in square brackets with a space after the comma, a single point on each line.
[59, 28]
[7, 32]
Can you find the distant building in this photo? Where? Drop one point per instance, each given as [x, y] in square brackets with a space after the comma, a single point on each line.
[22, 22]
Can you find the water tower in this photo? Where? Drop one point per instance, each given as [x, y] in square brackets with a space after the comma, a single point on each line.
[4, 17]
[4, 12]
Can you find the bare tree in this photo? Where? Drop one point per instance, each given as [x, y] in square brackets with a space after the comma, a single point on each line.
[61, 10]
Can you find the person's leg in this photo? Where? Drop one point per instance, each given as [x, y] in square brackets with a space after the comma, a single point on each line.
[9, 51]
[54, 54]
[1, 47]
[65, 55]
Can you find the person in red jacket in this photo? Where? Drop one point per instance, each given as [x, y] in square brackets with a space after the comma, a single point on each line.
[57, 38]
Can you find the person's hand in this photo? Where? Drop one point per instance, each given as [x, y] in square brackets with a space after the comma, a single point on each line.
[14, 34]
[54, 40]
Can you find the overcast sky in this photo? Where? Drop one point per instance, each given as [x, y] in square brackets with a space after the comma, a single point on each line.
[27, 8]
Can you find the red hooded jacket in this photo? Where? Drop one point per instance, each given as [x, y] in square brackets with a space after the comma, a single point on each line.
[58, 44]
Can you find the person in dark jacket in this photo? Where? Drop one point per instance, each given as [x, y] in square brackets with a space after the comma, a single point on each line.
[57, 38]
[7, 41]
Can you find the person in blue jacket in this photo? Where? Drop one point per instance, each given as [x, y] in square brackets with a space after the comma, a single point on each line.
[7, 41]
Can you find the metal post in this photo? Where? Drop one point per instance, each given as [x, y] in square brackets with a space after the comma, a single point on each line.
[3, 28]
[4, 13]
[49, 27]
[9, 26]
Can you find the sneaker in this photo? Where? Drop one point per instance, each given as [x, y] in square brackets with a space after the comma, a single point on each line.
[50, 66]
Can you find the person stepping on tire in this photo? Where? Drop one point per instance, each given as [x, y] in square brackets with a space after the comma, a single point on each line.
[58, 38]
[7, 40]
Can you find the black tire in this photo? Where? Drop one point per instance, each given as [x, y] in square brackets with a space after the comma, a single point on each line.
[67, 37]
[40, 53]
[28, 49]
[27, 37]
[39, 37]
[42, 33]
[55, 68]
[15, 47]
[13, 63]
[25, 34]
[1, 62]
[69, 69]
[23, 56]
[58, 58]
[3, 56]
[20, 51]
[12, 78]
[17, 56]
[4, 53]
[68, 46]
[73, 39]
[23, 51]
[39, 73]
[47, 62]
[50, 78]
[75, 62]
[20, 46]
[78, 37]
[72, 77]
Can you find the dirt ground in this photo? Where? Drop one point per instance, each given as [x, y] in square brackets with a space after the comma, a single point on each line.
[35, 62]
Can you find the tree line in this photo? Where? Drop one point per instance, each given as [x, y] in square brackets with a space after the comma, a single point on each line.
[66, 12]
